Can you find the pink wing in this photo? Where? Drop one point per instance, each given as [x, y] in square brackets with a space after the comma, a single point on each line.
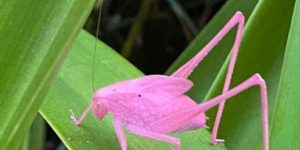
[154, 87]
[163, 84]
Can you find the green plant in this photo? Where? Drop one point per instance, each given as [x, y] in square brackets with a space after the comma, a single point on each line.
[34, 48]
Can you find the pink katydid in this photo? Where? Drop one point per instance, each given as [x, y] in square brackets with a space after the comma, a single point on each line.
[154, 106]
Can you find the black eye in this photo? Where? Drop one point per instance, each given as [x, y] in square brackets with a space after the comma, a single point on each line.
[139, 95]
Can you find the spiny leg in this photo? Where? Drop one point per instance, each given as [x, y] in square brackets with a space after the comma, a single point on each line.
[156, 136]
[180, 118]
[186, 69]
[240, 21]
[120, 134]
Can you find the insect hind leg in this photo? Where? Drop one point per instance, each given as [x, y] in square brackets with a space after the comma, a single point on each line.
[253, 81]
[181, 117]
[239, 19]
[187, 68]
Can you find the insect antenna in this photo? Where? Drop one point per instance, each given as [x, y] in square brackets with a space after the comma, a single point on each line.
[95, 46]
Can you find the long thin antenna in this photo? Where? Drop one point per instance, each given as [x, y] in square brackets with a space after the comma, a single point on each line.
[95, 47]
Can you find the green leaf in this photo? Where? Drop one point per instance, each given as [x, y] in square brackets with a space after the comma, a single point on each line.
[73, 90]
[285, 123]
[35, 138]
[35, 36]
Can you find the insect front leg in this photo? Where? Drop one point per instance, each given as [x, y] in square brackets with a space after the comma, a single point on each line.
[79, 121]
[120, 134]
[156, 136]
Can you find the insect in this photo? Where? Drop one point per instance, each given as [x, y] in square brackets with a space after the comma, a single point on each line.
[154, 106]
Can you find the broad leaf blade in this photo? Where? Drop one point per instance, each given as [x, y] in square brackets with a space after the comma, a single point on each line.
[285, 122]
[73, 90]
[35, 36]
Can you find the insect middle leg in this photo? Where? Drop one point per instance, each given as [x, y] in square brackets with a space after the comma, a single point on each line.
[154, 135]
[120, 134]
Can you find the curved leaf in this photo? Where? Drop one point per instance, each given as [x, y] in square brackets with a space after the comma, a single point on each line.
[285, 122]
[35, 36]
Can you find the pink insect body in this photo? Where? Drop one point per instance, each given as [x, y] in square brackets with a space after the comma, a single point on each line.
[154, 106]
